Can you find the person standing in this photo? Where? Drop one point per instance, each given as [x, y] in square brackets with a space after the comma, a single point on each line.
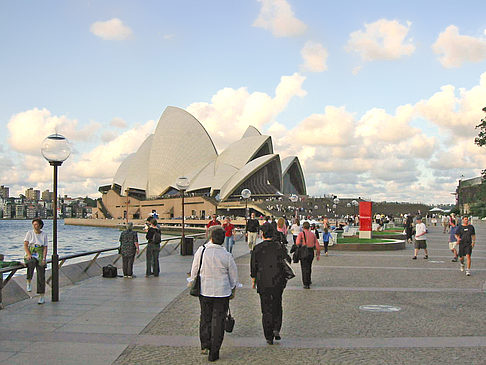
[315, 230]
[219, 276]
[229, 239]
[213, 222]
[153, 248]
[307, 242]
[35, 247]
[252, 230]
[295, 229]
[445, 223]
[409, 228]
[466, 239]
[420, 239]
[128, 248]
[268, 278]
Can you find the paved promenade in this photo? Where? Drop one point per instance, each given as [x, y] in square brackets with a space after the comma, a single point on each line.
[437, 315]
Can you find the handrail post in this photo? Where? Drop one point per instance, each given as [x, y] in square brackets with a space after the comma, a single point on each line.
[1, 287]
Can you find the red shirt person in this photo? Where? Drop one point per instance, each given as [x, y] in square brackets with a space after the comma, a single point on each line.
[212, 222]
[229, 239]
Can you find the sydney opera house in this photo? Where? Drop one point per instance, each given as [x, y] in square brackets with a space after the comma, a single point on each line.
[181, 146]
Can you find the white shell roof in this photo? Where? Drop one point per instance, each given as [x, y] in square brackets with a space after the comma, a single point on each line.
[131, 173]
[251, 131]
[242, 174]
[286, 163]
[180, 146]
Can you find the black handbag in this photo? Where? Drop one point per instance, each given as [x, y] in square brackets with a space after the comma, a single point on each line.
[229, 322]
[295, 250]
[110, 271]
[288, 272]
[196, 285]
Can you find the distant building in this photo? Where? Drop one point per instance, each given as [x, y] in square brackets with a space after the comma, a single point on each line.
[47, 196]
[19, 211]
[470, 192]
[32, 194]
[4, 192]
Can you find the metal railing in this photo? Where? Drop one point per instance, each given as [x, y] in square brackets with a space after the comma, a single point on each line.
[11, 270]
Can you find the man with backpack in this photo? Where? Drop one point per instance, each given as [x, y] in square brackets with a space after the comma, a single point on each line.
[154, 238]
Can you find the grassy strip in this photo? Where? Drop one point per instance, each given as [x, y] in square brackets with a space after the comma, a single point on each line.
[383, 233]
[362, 240]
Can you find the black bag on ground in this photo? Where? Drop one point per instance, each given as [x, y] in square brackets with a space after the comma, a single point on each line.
[110, 271]
[229, 322]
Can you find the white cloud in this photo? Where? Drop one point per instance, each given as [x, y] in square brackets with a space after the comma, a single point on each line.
[118, 123]
[356, 70]
[112, 29]
[29, 128]
[455, 49]
[238, 108]
[315, 57]
[381, 40]
[277, 17]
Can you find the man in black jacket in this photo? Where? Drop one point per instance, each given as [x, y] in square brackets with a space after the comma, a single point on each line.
[252, 230]
[268, 276]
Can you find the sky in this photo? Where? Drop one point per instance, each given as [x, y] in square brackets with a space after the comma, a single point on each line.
[378, 99]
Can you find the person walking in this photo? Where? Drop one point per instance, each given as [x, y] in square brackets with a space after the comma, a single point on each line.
[326, 237]
[128, 249]
[35, 247]
[229, 239]
[252, 230]
[445, 223]
[268, 278]
[153, 248]
[315, 230]
[466, 239]
[307, 243]
[295, 229]
[452, 238]
[420, 238]
[219, 276]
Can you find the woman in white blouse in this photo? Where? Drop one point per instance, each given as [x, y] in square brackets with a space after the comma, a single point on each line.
[35, 247]
[219, 276]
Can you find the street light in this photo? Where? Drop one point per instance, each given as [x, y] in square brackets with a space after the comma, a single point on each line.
[355, 203]
[246, 193]
[182, 184]
[336, 202]
[293, 198]
[56, 150]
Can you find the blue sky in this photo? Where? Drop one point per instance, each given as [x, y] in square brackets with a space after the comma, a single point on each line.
[377, 98]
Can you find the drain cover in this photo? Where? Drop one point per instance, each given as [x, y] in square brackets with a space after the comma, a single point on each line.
[379, 308]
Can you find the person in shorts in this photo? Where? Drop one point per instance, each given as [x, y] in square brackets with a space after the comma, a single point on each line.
[466, 239]
[452, 238]
[420, 239]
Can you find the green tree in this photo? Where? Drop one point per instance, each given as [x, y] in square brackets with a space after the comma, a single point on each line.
[480, 140]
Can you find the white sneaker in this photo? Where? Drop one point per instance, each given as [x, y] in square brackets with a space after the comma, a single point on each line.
[462, 267]
[41, 300]
[29, 286]
[468, 273]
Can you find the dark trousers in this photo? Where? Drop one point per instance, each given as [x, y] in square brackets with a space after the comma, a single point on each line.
[271, 304]
[326, 246]
[211, 324]
[306, 267]
[41, 274]
[152, 260]
[128, 265]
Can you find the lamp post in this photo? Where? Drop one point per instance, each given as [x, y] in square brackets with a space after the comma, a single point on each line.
[56, 150]
[336, 202]
[293, 198]
[246, 193]
[355, 204]
[182, 184]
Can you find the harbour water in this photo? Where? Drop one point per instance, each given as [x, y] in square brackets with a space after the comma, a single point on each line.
[71, 239]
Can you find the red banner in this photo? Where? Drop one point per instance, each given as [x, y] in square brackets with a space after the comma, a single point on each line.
[365, 216]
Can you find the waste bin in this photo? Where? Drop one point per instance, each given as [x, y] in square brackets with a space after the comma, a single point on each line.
[187, 246]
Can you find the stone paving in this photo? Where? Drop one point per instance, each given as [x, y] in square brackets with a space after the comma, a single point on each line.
[441, 316]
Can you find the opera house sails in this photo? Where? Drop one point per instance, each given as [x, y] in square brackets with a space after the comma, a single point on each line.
[181, 146]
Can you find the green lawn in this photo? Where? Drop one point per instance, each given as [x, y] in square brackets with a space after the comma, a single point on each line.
[378, 233]
[361, 240]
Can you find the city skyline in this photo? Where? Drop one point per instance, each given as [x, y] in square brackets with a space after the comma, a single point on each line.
[377, 99]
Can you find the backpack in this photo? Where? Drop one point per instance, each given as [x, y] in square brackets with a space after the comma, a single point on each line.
[156, 238]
